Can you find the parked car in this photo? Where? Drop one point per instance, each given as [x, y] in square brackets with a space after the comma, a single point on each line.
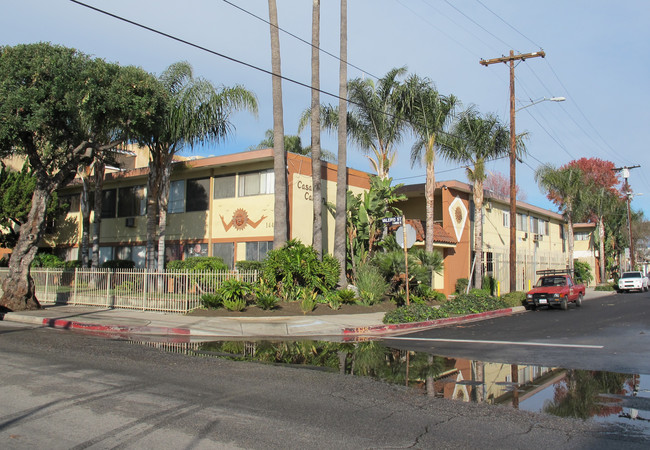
[633, 281]
[555, 288]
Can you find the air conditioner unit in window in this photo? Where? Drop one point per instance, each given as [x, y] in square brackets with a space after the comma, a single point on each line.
[524, 237]
[538, 237]
[130, 222]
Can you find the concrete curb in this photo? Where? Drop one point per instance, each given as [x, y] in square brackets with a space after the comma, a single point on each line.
[379, 330]
[73, 325]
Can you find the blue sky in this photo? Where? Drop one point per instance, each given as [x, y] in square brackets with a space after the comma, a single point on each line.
[597, 58]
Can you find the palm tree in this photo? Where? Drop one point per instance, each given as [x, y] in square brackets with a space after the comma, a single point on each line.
[280, 231]
[475, 140]
[340, 221]
[196, 112]
[317, 240]
[564, 187]
[429, 113]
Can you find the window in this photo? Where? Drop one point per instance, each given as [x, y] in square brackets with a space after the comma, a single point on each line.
[256, 183]
[534, 225]
[176, 197]
[224, 187]
[522, 222]
[105, 254]
[192, 250]
[197, 195]
[256, 251]
[108, 203]
[506, 219]
[543, 227]
[225, 251]
[581, 236]
[131, 201]
[489, 262]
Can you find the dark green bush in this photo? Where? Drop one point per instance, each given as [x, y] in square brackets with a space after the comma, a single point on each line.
[266, 300]
[211, 301]
[490, 284]
[605, 287]
[48, 261]
[514, 298]
[4, 261]
[118, 264]
[199, 264]
[296, 265]
[347, 296]
[461, 285]
[412, 313]
[249, 265]
[582, 272]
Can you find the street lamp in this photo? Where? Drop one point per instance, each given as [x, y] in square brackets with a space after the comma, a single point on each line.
[545, 99]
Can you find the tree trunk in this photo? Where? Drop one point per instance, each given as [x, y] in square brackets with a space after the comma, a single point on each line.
[19, 292]
[429, 193]
[570, 243]
[341, 176]
[478, 233]
[601, 235]
[317, 197]
[280, 221]
[85, 216]
[100, 168]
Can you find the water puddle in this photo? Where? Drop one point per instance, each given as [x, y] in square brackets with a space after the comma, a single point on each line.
[607, 397]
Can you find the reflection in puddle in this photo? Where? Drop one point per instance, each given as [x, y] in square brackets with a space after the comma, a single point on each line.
[584, 394]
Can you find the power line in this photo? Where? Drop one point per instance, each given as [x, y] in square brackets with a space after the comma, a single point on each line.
[298, 38]
[479, 25]
[504, 21]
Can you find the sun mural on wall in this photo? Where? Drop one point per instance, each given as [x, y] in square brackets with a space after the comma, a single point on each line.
[239, 220]
[458, 213]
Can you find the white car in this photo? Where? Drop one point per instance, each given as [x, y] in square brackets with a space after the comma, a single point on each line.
[634, 280]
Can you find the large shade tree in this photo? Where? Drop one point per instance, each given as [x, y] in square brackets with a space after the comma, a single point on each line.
[195, 112]
[476, 139]
[50, 113]
[429, 113]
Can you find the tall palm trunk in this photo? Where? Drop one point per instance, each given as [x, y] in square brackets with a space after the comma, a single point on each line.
[98, 177]
[280, 230]
[478, 233]
[18, 288]
[163, 204]
[341, 176]
[601, 251]
[317, 196]
[570, 239]
[429, 193]
[153, 188]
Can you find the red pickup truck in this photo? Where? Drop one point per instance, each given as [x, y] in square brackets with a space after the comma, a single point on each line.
[554, 288]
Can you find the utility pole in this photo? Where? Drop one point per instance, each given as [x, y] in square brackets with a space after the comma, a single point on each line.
[626, 187]
[513, 156]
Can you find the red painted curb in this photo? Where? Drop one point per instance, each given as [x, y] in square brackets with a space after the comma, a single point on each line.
[393, 328]
[71, 325]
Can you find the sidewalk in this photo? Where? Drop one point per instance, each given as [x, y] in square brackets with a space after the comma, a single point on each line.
[132, 322]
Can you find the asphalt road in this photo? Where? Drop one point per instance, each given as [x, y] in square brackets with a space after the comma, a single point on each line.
[62, 390]
[610, 333]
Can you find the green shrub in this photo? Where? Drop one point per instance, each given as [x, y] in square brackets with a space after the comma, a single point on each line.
[605, 287]
[480, 292]
[266, 300]
[490, 284]
[298, 265]
[332, 299]
[412, 313]
[48, 261]
[249, 265]
[199, 264]
[118, 264]
[308, 299]
[233, 289]
[582, 271]
[347, 296]
[212, 301]
[461, 285]
[514, 298]
[4, 261]
[371, 284]
[73, 264]
[234, 304]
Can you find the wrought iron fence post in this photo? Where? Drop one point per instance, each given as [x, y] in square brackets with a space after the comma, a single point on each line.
[187, 290]
[108, 287]
[145, 286]
[76, 283]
